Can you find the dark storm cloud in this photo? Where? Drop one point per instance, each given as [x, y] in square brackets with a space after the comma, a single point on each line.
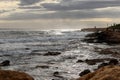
[79, 5]
[28, 2]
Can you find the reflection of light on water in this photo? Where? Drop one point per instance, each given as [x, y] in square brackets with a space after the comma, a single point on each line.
[60, 31]
[55, 32]
[69, 30]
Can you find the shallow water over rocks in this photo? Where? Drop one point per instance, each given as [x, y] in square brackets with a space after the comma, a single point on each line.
[26, 49]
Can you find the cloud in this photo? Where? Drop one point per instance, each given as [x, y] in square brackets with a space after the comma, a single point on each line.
[28, 2]
[65, 9]
[82, 14]
[79, 5]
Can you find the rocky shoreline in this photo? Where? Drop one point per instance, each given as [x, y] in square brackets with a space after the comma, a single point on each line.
[76, 58]
[110, 72]
[105, 71]
[109, 37]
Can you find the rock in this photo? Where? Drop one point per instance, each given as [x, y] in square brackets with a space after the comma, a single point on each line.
[113, 62]
[102, 65]
[90, 62]
[52, 54]
[14, 75]
[5, 63]
[42, 66]
[68, 57]
[84, 72]
[105, 73]
[78, 61]
[56, 74]
[27, 48]
[114, 51]
[106, 51]
[110, 37]
[94, 61]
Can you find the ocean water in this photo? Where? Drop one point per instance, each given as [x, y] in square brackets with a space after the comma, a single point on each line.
[25, 50]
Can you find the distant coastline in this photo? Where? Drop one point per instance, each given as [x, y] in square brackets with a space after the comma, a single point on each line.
[93, 29]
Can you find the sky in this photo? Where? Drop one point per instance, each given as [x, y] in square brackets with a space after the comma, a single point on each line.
[58, 14]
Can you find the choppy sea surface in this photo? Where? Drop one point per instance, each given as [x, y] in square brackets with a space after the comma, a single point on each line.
[25, 50]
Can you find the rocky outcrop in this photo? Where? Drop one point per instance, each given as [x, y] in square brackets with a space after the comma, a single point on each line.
[14, 75]
[110, 72]
[110, 37]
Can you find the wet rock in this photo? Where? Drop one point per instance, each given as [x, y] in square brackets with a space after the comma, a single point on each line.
[42, 66]
[106, 51]
[102, 65]
[84, 72]
[14, 75]
[97, 37]
[5, 63]
[52, 53]
[114, 51]
[69, 57]
[5, 55]
[94, 61]
[27, 48]
[78, 61]
[105, 73]
[90, 62]
[56, 74]
[113, 62]
[110, 37]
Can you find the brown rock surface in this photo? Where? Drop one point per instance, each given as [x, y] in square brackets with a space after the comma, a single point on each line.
[104, 73]
[110, 37]
[14, 75]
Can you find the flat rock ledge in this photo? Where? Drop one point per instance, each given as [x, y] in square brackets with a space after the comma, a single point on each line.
[14, 75]
[105, 73]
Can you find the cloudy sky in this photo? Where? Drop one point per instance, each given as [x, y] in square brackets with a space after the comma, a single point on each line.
[58, 14]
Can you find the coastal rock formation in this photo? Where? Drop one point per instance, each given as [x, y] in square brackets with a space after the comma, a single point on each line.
[110, 37]
[14, 75]
[105, 73]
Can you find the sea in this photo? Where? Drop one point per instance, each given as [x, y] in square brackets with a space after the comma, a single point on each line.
[26, 49]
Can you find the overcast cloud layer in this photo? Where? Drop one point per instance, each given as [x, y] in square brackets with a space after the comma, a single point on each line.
[66, 13]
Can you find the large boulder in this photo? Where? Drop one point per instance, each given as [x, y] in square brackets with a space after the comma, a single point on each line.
[105, 73]
[14, 75]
